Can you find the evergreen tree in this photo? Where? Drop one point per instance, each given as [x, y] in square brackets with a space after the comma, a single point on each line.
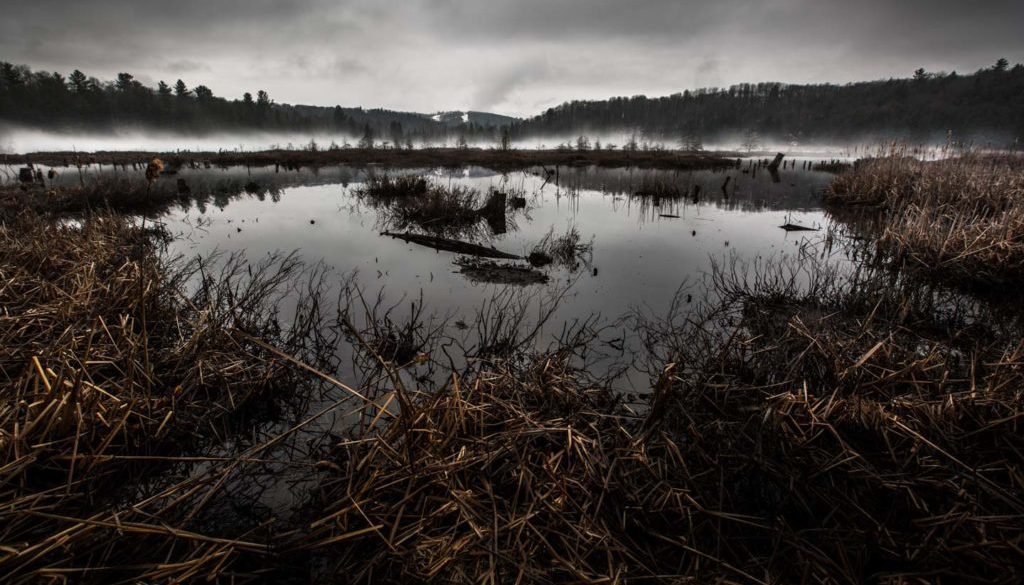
[203, 93]
[181, 90]
[78, 82]
[125, 82]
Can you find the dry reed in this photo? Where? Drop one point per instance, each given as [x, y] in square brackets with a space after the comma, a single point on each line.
[113, 355]
[960, 218]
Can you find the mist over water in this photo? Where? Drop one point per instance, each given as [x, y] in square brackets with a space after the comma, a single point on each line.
[18, 140]
[22, 140]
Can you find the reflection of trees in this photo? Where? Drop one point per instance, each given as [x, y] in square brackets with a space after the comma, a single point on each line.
[669, 191]
[451, 212]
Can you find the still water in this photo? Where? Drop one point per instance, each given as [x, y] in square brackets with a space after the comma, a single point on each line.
[643, 248]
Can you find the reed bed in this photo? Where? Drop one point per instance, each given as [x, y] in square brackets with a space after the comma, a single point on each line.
[801, 427]
[862, 430]
[115, 355]
[960, 218]
[122, 195]
[510, 475]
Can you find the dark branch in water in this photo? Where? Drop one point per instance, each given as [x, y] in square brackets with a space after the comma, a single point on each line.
[449, 245]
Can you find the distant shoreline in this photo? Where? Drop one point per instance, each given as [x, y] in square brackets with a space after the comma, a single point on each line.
[427, 157]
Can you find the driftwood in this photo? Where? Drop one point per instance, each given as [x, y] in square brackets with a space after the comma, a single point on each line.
[450, 245]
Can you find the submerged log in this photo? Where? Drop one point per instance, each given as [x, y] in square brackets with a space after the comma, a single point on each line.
[450, 245]
[792, 227]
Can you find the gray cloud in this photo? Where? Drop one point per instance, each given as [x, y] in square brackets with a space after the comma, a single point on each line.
[505, 55]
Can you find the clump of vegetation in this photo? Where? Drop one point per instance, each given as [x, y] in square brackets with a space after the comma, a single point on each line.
[387, 337]
[828, 417]
[832, 166]
[659, 190]
[512, 474]
[121, 194]
[388, 188]
[567, 250]
[439, 210]
[111, 354]
[413, 202]
[489, 271]
[960, 217]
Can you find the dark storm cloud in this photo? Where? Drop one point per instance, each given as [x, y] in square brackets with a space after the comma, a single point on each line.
[507, 55]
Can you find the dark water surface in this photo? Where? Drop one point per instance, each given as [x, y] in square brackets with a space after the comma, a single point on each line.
[639, 256]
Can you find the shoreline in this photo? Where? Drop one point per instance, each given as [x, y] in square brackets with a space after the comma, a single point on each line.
[429, 157]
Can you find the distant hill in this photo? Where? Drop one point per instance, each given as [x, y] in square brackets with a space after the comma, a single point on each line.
[987, 105]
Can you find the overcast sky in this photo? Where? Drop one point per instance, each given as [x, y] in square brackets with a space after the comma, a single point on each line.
[508, 56]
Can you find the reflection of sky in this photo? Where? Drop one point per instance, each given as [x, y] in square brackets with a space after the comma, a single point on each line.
[641, 258]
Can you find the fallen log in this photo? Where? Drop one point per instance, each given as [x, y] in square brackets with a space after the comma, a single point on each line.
[792, 227]
[450, 245]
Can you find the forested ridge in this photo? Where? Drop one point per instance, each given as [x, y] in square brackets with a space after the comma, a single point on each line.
[78, 102]
[988, 104]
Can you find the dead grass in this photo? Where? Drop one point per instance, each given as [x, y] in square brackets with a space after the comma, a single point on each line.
[567, 250]
[803, 427]
[121, 195]
[112, 355]
[959, 218]
[868, 431]
[506, 476]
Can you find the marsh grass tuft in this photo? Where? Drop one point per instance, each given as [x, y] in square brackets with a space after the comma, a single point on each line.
[114, 353]
[567, 250]
[960, 218]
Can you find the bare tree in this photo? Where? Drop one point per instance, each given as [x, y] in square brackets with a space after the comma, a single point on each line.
[751, 140]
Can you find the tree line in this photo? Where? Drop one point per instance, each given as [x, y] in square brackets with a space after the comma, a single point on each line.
[79, 102]
[985, 105]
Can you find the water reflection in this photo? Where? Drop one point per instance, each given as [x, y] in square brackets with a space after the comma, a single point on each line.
[644, 246]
